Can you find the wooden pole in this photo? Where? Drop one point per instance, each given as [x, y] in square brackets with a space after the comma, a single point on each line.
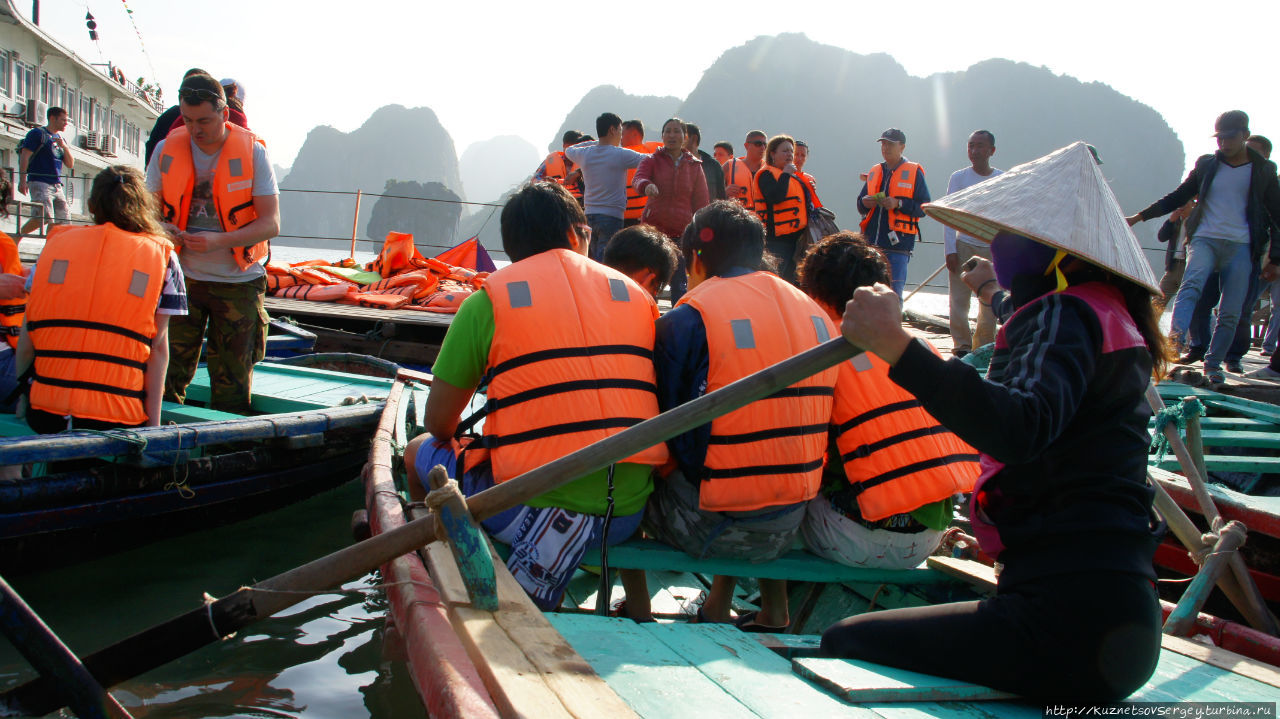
[33, 638]
[187, 632]
[920, 286]
[1195, 441]
[1183, 617]
[1252, 605]
[355, 224]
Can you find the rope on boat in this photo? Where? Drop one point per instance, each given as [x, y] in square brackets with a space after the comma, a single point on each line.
[1176, 414]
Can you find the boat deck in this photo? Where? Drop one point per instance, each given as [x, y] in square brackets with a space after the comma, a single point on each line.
[717, 670]
[279, 306]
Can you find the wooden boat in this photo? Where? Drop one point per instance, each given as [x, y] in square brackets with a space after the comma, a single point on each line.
[89, 493]
[468, 660]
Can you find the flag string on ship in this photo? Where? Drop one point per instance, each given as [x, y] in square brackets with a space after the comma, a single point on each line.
[129, 11]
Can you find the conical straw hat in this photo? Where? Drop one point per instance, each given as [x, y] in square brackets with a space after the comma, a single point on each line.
[1061, 200]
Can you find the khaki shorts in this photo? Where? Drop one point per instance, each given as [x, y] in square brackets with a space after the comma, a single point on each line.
[51, 198]
[831, 535]
[673, 517]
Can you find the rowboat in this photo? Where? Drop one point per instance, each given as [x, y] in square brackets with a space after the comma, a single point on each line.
[89, 493]
[479, 647]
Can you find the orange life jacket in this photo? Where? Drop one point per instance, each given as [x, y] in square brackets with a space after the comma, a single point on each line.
[784, 217]
[739, 175]
[557, 168]
[770, 452]
[902, 186]
[812, 185]
[894, 452]
[232, 186]
[316, 293]
[10, 310]
[418, 283]
[91, 317]
[571, 361]
[397, 254]
[637, 200]
[379, 300]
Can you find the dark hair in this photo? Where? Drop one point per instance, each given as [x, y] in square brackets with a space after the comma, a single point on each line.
[756, 133]
[802, 143]
[642, 247]
[1261, 140]
[841, 263]
[676, 120]
[728, 147]
[232, 100]
[607, 122]
[692, 129]
[571, 137]
[195, 71]
[990, 137]
[119, 195]
[198, 89]
[724, 235]
[537, 218]
[634, 125]
[586, 138]
[54, 112]
[774, 142]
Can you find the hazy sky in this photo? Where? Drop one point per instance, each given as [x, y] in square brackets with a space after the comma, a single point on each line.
[497, 68]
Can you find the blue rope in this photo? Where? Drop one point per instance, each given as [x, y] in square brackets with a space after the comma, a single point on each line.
[1177, 415]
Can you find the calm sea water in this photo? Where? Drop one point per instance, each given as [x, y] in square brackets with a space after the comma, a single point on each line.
[321, 658]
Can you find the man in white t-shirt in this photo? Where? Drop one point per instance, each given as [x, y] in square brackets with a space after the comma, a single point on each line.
[982, 145]
[219, 201]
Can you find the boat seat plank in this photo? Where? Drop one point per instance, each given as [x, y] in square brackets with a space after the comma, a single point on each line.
[1240, 438]
[647, 673]
[1174, 391]
[859, 681]
[1189, 679]
[755, 676]
[796, 565]
[1228, 463]
[514, 683]
[549, 665]
[1245, 423]
[183, 413]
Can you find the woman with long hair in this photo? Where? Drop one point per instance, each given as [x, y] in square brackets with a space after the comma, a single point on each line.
[1060, 421]
[782, 204]
[95, 340]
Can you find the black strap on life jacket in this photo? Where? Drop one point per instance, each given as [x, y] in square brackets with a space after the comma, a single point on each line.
[877, 412]
[12, 309]
[757, 470]
[231, 214]
[33, 326]
[866, 450]
[913, 468]
[491, 441]
[496, 404]
[140, 395]
[764, 434]
[91, 356]
[566, 353]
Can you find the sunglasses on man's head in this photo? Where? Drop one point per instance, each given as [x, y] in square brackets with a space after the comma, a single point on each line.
[186, 93]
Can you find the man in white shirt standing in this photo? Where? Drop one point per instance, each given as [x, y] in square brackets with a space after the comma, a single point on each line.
[982, 145]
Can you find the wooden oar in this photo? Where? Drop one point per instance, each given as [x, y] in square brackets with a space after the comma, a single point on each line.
[187, 632]
[920, 286]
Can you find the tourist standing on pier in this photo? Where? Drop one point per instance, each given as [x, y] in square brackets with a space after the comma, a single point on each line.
[41, 156]
[891, 203]
[960, 247]
[1239, 197]
[739, 171]
[106, 291]
[605, 164]
[1063, 501]
[219, 201]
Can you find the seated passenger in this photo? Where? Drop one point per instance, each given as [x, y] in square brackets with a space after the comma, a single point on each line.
[645, 255]
[535, 334]
[96, 338]
[742, 481]
[891, 469]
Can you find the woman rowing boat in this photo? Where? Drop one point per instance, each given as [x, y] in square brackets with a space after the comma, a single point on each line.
[1063, 500]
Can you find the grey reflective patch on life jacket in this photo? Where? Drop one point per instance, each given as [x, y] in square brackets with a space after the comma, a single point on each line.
[518, 295]
[743, 337]
[618, 290]
[166, 161]
[820, 328]
[58, 272]
[235, 166]
[861, 362]
[138, 284]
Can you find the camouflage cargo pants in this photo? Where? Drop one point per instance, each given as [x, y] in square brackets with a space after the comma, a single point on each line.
[237, 327]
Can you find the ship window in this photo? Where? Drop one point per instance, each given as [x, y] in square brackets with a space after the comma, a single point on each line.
[4, 71]
[86, 109]
[46, 88]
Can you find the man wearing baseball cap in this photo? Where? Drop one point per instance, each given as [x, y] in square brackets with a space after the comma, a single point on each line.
[1238, 197]
[892, 202]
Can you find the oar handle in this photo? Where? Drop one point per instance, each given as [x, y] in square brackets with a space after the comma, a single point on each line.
[640, 437]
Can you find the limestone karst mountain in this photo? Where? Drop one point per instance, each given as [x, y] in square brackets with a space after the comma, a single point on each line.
[492, 167]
